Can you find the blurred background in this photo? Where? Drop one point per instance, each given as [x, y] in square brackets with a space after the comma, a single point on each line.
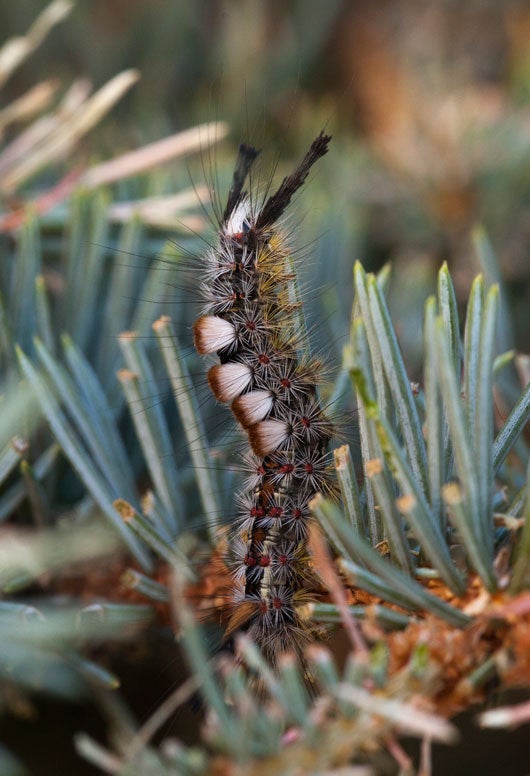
[427, 102]
[429, 107]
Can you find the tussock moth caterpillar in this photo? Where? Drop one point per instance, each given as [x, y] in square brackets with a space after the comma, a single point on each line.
[251, 321]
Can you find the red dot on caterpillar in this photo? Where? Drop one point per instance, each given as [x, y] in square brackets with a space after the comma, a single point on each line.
[257, 511]
[275, 512]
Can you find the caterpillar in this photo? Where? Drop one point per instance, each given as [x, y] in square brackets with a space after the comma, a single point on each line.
[251, 321]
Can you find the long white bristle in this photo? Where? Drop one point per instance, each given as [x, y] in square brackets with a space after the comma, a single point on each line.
[212, 333]
[228, 381]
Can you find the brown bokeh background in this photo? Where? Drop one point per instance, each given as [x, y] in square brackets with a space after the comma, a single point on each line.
[429, 105]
